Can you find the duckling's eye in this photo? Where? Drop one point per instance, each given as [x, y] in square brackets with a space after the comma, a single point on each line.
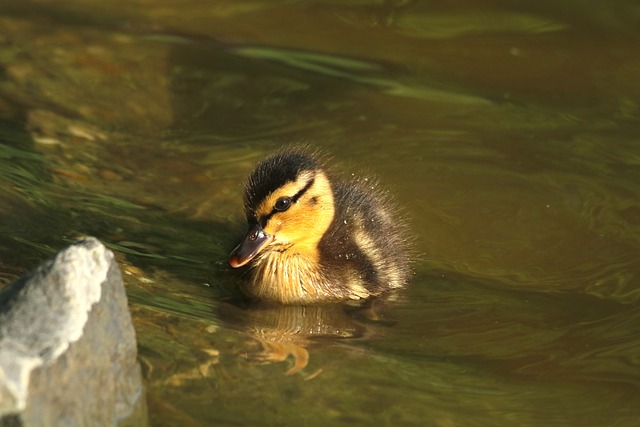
[282, 204]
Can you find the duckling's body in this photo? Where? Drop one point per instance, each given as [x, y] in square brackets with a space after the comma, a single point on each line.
[315, 239]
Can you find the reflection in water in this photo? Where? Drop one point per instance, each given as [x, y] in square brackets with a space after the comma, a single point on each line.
[288, 330]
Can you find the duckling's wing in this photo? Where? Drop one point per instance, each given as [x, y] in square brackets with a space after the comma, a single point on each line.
[366, 246]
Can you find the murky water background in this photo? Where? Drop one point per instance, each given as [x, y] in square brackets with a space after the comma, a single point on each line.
[509, 133]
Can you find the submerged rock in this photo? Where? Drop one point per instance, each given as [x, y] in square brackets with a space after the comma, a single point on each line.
[68, 354]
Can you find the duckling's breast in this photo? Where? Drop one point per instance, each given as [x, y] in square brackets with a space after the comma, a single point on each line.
[288, 277]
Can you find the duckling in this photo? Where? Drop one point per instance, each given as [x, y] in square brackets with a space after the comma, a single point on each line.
[315, 238]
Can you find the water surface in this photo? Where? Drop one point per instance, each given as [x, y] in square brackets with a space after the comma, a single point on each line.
[508, 133]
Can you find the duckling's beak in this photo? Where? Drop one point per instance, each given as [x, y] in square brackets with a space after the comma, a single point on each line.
[251, 245]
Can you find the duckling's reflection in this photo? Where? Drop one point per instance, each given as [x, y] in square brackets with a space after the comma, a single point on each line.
[287, 331]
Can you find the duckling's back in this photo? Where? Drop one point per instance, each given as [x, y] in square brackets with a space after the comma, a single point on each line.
[366, 247]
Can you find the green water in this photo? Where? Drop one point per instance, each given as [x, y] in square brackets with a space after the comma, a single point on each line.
[509, 132]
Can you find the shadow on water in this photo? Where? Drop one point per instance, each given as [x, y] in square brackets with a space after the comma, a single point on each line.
[24, 214]
[226, 94]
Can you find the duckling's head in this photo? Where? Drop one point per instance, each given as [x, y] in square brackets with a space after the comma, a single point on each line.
[289, 205]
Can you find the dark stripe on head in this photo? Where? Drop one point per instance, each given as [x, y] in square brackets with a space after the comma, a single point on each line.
[294, 199]
[274, 172]
[303, 190]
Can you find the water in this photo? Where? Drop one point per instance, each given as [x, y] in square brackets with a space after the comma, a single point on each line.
[508, 133]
